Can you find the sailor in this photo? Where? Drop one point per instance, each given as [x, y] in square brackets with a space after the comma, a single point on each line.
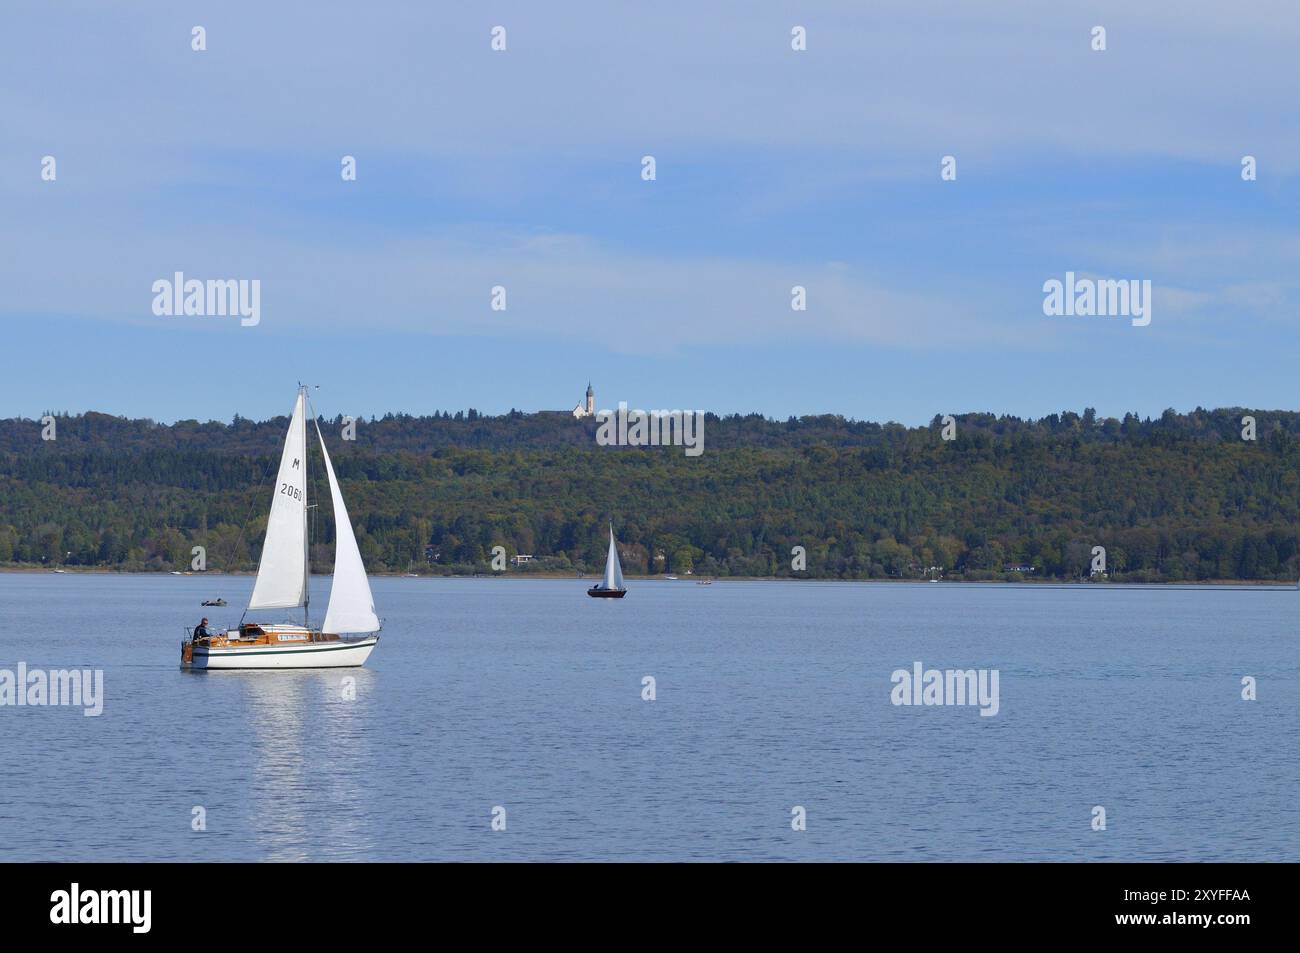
[201, 630]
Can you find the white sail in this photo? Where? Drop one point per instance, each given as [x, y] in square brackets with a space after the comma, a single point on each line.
[613, 569]
[282, 573]
[352, 607]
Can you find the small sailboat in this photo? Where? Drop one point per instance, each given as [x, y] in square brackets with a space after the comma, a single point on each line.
[348, 634]
[611, 587]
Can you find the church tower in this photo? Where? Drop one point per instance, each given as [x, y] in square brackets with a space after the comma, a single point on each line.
[589, 409]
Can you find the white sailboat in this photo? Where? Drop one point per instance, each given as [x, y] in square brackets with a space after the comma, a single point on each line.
[611, 587]
[348, 634]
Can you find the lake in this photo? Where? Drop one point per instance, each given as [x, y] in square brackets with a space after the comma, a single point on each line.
[526, 695]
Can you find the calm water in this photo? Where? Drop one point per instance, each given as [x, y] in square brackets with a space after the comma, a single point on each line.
[527, 694]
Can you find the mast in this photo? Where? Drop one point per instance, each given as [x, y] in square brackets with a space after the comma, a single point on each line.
[306, 542]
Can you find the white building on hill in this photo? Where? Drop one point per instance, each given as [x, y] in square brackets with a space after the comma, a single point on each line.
[590, 409]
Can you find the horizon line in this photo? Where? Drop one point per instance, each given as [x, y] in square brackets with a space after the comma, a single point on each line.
[514, 411]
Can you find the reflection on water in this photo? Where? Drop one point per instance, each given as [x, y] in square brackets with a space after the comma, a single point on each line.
[308, 748]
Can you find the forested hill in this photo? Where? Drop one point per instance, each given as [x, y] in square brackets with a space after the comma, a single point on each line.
[1179, 497]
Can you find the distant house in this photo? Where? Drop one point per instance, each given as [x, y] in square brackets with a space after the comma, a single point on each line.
[1018, 567]
[521, 559]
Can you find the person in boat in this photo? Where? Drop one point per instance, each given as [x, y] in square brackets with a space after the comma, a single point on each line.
[201, 630]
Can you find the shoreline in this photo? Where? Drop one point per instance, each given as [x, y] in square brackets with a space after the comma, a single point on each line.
[1020, 583]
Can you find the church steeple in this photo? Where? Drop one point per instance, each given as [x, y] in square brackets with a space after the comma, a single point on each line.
[589, 409]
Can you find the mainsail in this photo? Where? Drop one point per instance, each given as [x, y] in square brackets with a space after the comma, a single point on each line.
[613, 569]
[352, 607]
[282, 572]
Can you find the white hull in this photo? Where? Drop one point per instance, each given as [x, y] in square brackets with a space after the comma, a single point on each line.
[342, 654]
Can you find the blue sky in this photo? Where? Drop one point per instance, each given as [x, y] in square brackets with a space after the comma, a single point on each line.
[775, 168]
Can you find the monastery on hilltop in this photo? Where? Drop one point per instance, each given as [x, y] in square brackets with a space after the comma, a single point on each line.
[589, 409]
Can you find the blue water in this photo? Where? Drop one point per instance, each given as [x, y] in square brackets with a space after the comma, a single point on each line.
[525, 694]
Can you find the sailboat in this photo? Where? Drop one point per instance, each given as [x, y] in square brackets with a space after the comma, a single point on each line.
[611, 587]
[349, 632]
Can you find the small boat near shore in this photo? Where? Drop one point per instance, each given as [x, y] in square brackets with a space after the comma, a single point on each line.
[611, 586]
[349, 632]
[218, 603]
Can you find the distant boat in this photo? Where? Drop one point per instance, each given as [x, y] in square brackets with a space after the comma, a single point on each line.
[704, 582]
[284, 577]
[213, 602]
[611, 587]
[673, 578]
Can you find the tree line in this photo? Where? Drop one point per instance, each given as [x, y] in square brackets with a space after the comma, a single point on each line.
[1180, 497]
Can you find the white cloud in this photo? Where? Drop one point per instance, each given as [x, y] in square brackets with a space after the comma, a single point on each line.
[557, 285]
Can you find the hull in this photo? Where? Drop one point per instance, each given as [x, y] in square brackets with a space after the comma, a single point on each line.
[339, 654]
[606, 593]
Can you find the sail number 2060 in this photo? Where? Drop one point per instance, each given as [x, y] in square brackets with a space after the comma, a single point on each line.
[293, 492]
